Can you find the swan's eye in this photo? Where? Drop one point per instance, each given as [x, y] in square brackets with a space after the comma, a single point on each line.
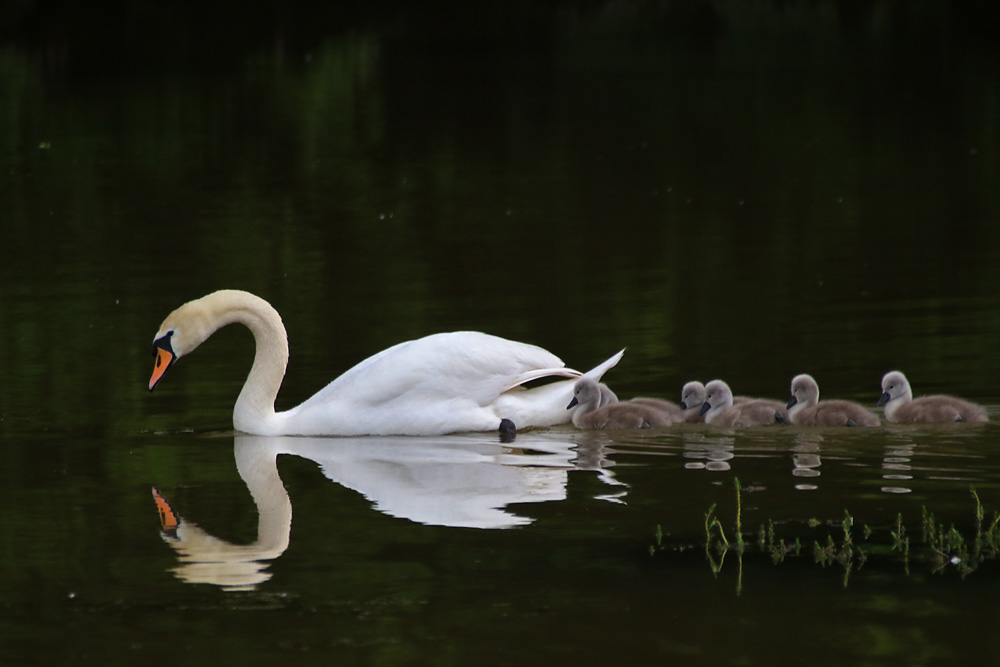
[163, 343]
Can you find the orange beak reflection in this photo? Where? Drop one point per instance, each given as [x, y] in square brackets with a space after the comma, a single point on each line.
[168, 520]
[163, 359]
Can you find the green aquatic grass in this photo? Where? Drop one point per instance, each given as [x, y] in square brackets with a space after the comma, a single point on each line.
[840, 545]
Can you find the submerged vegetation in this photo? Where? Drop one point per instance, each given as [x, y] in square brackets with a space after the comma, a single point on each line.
[843, 544]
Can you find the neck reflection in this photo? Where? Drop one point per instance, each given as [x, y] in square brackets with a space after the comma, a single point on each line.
[454, 481]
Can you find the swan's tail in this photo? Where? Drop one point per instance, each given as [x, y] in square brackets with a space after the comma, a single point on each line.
[598, 371]
[594, 373]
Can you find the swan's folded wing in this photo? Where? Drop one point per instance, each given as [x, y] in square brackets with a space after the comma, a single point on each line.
[542, 373]
[464, 364]
[594, 373]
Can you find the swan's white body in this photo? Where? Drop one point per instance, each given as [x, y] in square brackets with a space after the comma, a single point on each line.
[443, 383]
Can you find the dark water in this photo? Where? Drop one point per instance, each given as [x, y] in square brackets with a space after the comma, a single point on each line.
[746, 194]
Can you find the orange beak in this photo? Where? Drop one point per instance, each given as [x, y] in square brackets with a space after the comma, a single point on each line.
[163, 359]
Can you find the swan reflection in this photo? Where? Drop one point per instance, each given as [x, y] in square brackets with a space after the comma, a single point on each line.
[456, 481]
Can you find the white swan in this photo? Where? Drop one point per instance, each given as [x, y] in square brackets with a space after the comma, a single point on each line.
[443, 383]
[900, 406]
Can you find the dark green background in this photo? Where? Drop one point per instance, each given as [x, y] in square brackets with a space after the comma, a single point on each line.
[736, 190]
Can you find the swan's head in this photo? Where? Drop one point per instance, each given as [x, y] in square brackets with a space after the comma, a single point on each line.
[894, 385]
[718, 396]
[692, 395]
[184, 329]
[586, 393]
[805, 391]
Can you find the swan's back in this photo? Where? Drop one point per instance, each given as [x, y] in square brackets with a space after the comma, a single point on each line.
[467, 364]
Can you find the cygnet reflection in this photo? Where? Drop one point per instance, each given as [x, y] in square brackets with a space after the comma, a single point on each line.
[708, 452]
[806, 460]
[897, 467]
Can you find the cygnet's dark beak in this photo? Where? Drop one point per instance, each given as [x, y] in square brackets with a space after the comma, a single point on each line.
[572, 403]
[683, 405]
[792, 401]
[883, 399]
[705, 407]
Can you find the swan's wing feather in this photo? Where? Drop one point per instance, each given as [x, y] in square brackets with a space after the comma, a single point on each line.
[546, 405]
[597, 372]
[466, 364]
[542, 373]
[594, 373]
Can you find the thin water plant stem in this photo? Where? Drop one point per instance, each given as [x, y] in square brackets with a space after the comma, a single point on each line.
[712, 522]
[739, 517]
[979, 508]
[653, 548]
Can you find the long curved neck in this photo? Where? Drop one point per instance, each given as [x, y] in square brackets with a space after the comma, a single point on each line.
[254, 409]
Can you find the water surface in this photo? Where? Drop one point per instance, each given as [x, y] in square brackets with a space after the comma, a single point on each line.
[765, 192]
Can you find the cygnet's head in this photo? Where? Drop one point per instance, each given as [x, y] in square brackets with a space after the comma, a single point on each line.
[805, 391]
[718, 396]
[586, 394]
[894, 385]
[692, 395]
